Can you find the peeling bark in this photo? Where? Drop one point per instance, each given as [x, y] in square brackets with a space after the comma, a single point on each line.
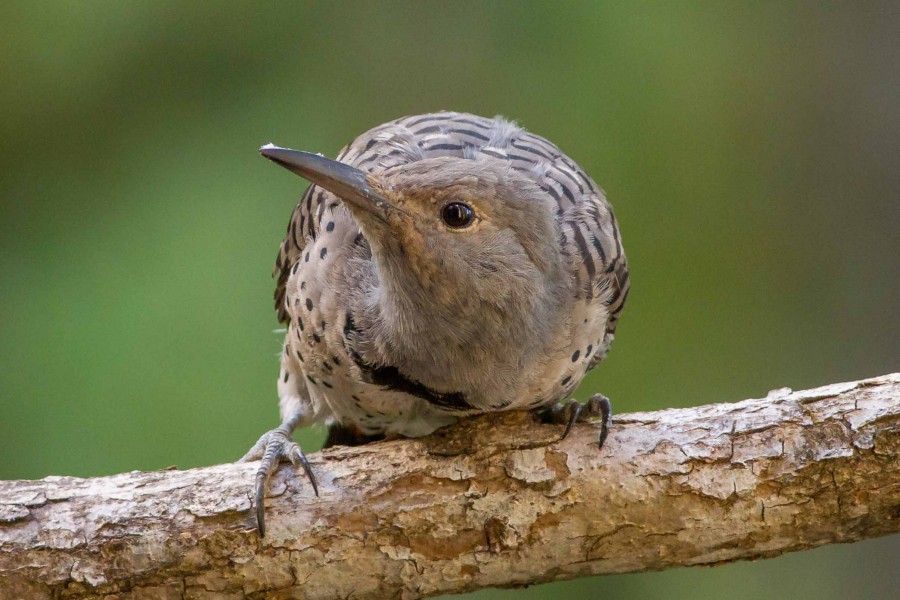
[494, 501]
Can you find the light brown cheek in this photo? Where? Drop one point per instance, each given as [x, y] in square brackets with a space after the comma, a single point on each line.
[413, 245]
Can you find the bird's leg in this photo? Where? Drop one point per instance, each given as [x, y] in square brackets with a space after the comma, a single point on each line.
[573, 411]
[274, 447]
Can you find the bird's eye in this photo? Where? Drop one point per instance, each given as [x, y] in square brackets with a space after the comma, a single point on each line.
[457, 215]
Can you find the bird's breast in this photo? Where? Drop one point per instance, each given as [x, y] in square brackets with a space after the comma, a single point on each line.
[323, 362]
[319, 344]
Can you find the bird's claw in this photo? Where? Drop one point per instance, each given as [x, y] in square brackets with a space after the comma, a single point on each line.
[274, 447]
[573, 412]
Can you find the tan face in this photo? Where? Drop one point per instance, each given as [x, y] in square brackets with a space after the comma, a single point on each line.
[459, 207]
[455, 224]
[463, 224]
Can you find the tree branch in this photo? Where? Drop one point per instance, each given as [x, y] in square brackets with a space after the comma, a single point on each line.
[493, 501]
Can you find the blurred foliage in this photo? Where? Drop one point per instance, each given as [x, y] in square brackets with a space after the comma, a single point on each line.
[750, 151]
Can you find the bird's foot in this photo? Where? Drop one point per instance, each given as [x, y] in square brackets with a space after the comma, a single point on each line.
[573, 411]
[274, 447]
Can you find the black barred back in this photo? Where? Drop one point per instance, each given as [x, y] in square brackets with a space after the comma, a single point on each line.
[590, 234]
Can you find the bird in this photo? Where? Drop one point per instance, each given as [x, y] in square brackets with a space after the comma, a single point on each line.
[443, 265]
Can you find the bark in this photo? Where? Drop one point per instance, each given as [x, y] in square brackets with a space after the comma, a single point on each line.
[493, 501]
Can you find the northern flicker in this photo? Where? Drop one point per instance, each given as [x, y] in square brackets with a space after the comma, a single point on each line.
[444, 265]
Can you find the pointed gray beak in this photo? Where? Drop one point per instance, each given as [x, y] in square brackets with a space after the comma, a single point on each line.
[347, 183]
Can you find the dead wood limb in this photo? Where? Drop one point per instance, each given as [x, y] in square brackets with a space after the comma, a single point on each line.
[494, 501]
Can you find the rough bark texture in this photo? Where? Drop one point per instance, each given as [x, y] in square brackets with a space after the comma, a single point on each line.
[494, 501]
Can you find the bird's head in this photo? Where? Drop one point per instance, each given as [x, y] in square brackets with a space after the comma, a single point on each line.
[448, 232]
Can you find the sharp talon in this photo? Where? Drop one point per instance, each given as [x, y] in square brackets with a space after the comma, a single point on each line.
[274, 447]
[258, 497]
[604, 407]
[576, 411]
[573, 412]
[305, 464]
[604, 431]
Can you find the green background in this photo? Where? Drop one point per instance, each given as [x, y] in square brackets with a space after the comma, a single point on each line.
[750, 151]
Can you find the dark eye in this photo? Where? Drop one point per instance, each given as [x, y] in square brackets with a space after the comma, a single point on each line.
[457, 215]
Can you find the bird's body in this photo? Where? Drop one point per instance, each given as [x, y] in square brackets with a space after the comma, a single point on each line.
[341, 362]
[445, 265]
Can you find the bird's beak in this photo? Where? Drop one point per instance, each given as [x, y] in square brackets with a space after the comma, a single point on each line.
[348, 183]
